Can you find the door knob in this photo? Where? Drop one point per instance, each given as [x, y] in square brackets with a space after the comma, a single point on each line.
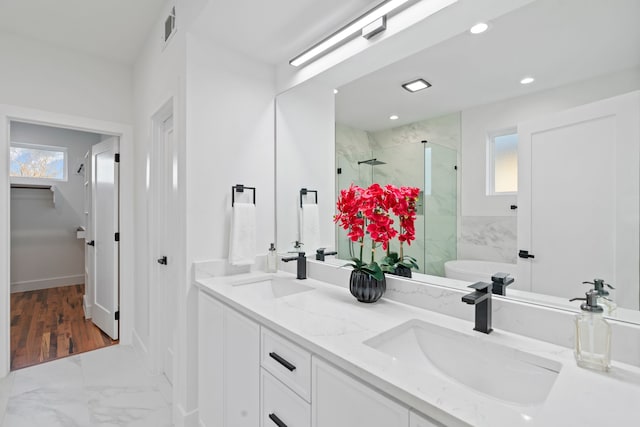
[162, 260]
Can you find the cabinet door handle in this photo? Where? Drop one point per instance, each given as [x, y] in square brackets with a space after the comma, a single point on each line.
[282, 361]
[277, 421]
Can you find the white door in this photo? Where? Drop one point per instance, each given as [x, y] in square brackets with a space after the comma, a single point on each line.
[105, 235]
[165, 265]
[578, 199]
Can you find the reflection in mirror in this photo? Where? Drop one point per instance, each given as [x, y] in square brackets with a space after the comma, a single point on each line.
[574, 216]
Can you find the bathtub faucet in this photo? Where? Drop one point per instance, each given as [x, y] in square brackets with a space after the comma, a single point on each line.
[500, 283]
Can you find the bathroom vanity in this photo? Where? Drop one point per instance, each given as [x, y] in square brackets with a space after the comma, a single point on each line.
[277, 351]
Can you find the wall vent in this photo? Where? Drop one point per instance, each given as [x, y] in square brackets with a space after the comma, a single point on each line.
[170, 25]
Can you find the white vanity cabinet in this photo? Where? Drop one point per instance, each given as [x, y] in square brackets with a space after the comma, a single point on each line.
[229, 366]
[341, 401]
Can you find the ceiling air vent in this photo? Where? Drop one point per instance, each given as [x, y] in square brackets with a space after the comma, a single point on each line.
[170, 25]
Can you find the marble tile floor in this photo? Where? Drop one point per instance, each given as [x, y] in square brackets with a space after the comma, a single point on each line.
[102, 388]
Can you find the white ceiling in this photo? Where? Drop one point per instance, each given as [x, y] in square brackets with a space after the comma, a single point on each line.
[111, 29]
[275, 31]
[557, 42]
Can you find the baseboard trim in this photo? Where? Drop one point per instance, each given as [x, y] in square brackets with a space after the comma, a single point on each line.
[53, 282]
[182, 418]
[139, 347]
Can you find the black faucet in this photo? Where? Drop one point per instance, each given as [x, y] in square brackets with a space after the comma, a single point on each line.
[500, 283]
[481, 298]
[302, 265]
[321, 254]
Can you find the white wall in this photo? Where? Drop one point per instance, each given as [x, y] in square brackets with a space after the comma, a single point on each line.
[45, 251]
[230, 140]
[488, 228]
[46, 77]
[305, 159]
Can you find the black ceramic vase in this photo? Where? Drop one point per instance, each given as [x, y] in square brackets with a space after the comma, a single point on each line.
[403, 271]
[365, 288]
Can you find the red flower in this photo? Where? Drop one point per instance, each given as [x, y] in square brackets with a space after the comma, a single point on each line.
[370, 208]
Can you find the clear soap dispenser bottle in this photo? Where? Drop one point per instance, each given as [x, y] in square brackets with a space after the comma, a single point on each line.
[272, 259]
[593, 335]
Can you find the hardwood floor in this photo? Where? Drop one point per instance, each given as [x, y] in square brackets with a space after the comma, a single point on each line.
[49, 324]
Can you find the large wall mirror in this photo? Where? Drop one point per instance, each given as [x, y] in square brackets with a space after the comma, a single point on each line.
[539, 179]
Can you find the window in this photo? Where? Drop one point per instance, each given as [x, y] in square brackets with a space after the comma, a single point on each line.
[502, 162]
[31, 163]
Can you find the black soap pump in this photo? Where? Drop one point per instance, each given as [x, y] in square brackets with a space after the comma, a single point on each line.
[593, 334]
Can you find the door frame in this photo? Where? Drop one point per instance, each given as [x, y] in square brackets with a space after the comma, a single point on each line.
[10, 113]
[157, 338]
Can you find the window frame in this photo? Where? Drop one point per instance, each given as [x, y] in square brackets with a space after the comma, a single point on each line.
[491, 170]
[40, 181]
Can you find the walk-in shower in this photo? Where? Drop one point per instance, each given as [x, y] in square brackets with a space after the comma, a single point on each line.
[429, 166]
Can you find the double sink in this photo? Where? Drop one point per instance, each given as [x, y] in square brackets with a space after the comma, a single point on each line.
[471, 359]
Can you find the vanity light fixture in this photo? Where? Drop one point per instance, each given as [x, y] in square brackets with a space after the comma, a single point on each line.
[393, 117]
[527, 80]
[416, 85]
[348, 31]
[479, 28]
[376, 27]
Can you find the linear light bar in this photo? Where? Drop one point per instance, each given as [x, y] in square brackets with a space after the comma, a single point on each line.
[349, 30]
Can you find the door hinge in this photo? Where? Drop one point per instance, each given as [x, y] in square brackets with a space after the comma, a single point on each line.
[117, 237]
[117, 315]
[116, 158]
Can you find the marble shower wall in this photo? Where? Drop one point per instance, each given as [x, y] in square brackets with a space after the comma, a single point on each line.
[402, 150]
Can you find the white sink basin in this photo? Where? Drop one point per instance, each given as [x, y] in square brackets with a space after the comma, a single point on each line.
[489, 368]
[276, 287]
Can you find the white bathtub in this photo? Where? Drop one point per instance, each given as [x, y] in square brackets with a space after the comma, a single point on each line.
[477, 271]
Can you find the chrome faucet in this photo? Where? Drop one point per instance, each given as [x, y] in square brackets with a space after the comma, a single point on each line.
[301, 270]
[481, 298]
[321, 254]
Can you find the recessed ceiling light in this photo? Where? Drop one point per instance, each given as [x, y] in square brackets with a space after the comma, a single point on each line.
[479, 28]
[527, 80]
[393, 117]
[335, 91]
[416, 85]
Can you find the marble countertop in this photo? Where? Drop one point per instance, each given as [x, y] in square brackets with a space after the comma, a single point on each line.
[332, 324]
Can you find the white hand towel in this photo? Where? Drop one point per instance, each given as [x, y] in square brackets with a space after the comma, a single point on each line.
[242, 242]
[310, 227]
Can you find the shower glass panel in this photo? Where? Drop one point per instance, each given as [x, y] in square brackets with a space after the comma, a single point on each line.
[440, 207]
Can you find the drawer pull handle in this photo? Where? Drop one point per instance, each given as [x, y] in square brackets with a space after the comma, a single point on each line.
[277, 421]
[283, 362]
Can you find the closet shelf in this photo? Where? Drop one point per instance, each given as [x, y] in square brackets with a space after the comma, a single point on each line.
[38, 187]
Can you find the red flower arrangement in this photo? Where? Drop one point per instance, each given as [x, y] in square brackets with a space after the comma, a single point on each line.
[368, 211]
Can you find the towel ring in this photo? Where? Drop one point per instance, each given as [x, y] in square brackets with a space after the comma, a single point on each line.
[304, 192]
[239, 188]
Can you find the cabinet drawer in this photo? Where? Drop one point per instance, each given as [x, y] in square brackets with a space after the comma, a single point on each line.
[280, 406]
[287, 362]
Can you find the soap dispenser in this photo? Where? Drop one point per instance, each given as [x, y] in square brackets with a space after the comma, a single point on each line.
[604, 296]
[272, 259]
[593, 335]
